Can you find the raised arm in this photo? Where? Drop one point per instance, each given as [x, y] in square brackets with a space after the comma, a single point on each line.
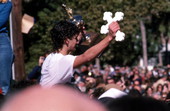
[94, 51]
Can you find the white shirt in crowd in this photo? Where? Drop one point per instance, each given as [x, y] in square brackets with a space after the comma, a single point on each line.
[57, 68]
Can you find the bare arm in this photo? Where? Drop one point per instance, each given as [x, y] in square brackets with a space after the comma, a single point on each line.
[94, 51]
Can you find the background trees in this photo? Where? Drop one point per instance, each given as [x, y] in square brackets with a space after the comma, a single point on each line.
[153, 13]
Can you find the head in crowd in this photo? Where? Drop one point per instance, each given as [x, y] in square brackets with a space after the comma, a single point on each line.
[129, 103]
[134, 93]
[57, 98]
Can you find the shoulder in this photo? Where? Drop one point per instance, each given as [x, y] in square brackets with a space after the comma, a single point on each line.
[9, 5]
[69, 58]
[6, 6]
[53, 57]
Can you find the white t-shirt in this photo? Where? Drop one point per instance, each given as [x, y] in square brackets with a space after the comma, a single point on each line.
[57, 68]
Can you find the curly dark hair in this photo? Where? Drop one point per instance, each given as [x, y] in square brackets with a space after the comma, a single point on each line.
[61, 31]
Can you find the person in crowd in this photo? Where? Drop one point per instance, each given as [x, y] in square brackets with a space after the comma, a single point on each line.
[159, 88]
[134, 93]
[148, 91]
[35, 74]
[165, 91]
[167, 100]
[6, 53]
[57, 98]
[58, 66]
[130, 103]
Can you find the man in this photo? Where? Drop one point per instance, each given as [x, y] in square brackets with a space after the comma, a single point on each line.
[6, 53]
[58, 66]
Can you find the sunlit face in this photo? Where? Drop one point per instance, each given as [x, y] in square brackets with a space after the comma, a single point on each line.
[73, 42]
[76, 41]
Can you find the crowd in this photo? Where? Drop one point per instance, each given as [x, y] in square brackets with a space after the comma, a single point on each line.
[147, 89]
[132, 80]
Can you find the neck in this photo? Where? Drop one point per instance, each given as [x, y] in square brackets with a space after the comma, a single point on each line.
[63, 51]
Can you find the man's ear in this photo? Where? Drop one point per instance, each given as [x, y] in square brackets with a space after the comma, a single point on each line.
[66, 42]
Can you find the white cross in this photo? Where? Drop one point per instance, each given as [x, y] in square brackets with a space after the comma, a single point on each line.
[108, 17]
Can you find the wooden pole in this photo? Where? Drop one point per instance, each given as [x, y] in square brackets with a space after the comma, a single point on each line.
[144, 44]
[18, 40]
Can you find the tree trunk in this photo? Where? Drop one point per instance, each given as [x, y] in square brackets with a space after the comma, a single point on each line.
[97, 63]
[160, 52]
[160, 58]
[166, 51]
[17, 40]
[144, 44]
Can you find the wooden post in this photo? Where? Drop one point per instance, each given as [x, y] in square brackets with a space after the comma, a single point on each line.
[18, 40]
[144, 44]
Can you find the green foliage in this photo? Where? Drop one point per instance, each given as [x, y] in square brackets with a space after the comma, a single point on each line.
[120, 53]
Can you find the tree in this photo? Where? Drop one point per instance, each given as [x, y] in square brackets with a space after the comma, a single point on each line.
[119, 53]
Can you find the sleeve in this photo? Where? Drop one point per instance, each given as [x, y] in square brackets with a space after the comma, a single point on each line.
[5, 12]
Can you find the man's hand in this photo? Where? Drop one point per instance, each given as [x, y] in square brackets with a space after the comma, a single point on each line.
[113, 28]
